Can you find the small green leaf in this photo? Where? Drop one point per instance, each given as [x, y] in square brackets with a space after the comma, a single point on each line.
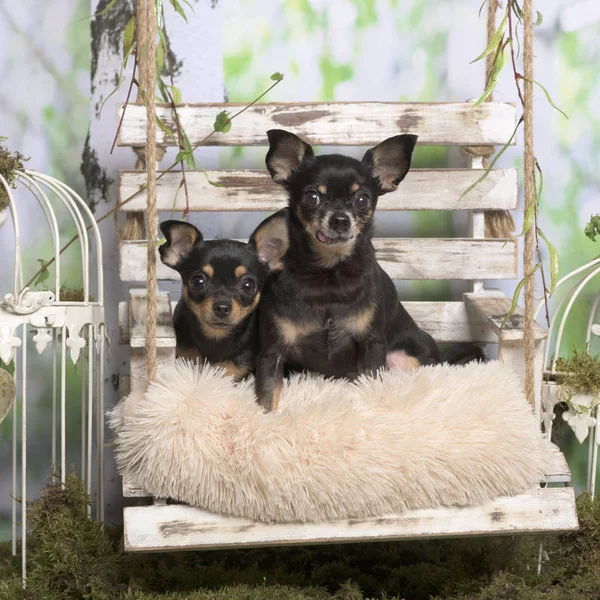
[516, 295]
[592, 229]
[105, 9]
[181, 155]
[548, 97]
[162, 88]
[222, 122]
[494, 79]
[517, 9]
[277, 76]
[554, 261]
[175, 93]
[119, 80]
[527, 221]
[189, 159]
[539, 18]
[494, 161]
[215, 183]
[128, 37]
[160, 59]
[165, 128]
[495, 41]
[177, 6]
[44, 273]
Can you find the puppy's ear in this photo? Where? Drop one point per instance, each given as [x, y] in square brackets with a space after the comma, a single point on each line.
[180, 237]
[286, 153]
[390, 161]
[271, 240]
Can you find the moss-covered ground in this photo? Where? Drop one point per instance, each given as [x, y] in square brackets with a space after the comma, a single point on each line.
[70, 557]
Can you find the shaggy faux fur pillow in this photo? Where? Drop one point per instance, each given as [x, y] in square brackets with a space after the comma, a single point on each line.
[335, 450]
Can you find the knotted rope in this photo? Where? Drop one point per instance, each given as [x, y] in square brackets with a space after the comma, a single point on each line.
[146, 43]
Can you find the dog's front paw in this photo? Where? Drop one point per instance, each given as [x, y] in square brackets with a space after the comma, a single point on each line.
[398, 360]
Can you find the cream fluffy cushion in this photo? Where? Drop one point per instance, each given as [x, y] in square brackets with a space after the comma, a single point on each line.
[334, 450]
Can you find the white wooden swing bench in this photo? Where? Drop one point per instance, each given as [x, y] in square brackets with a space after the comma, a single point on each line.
[478, 318]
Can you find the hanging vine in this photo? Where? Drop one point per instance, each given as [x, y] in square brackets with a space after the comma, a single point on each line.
[167, 93]
[506, 39]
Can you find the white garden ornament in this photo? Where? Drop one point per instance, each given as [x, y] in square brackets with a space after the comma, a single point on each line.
[582, 415]
[65, 331]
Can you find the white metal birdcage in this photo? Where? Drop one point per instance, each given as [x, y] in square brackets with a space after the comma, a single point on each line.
[583, 414]
[74, 330]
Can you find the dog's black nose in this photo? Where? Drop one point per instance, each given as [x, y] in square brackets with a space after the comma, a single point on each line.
[339, 222]
[222, 308]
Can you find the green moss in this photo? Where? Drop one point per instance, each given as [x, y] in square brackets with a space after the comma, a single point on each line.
[579, 372]
[9, 163]
[71, 557]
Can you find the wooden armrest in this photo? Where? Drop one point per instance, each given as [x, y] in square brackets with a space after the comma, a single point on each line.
[493, 306]
[165, 332]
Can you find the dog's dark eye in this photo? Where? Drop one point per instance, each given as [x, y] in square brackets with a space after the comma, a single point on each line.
[248, 285]
[197, 282]
[311, 199]
[362, 202]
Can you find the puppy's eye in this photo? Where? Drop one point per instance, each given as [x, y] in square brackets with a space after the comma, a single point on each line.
[311, 199]
[362, 202]
[198, 282]
[248, 285]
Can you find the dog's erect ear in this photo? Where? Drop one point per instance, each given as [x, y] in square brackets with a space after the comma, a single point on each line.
[271, 240]
[180, 237]
[285, 155]
[390, 161]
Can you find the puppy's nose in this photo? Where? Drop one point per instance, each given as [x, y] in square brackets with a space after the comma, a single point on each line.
[339, 222]
[222, 308]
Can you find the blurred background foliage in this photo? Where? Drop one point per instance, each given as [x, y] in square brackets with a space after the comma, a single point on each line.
[412, 50]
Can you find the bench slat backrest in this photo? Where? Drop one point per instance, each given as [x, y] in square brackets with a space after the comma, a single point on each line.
[342, 124]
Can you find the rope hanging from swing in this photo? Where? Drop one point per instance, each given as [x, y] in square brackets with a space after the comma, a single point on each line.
[146, 28]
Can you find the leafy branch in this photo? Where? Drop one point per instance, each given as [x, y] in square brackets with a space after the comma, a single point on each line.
[503, 39]
[135, 194]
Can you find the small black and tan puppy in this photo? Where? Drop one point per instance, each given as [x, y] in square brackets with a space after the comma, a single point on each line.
[222, 280]
[332, 309]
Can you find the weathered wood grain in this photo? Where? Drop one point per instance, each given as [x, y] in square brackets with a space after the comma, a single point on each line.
[445, 321]
[494, 307]
[331, 123]
[411, 259]
[179, 527]
[165, 332]
[423, 189]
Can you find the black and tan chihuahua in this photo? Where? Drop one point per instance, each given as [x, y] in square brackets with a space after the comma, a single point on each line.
[222, 281]
[332, 309]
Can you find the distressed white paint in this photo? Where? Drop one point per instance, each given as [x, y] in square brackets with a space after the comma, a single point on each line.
[401, 258]
[423, 189]
[495, 307]
[177, 527]
[332, 123]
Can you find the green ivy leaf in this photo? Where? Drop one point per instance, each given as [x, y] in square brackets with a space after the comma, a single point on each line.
[492, 164]
[222, 122]
[44, 273]
[548, 97]
[592, 229]
[277, 76]
[516, 295]
[175, 93]
[106, 9]
[494, 79]
[554, 261]
[165, 128]
[177, 6]
[128, 37]
[495, 41]
[215, 183]
[160, 59]
[539, 19]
